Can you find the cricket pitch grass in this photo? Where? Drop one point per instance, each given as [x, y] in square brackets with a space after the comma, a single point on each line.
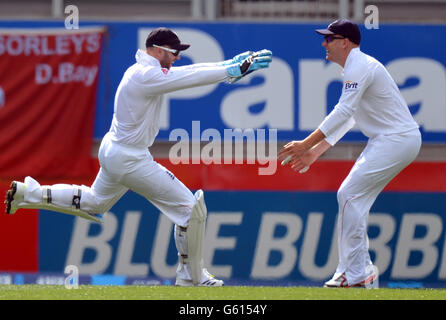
[90, 292]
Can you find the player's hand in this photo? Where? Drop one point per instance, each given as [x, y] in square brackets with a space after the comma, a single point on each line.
[303, 163]
[292, 151]
[237, 59]
[258, 60]
[264, 53]
[240, 57]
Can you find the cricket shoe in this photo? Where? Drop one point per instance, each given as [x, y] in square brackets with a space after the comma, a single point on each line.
[368, 282]
[207, 280]
[14, 196]
[340, 281]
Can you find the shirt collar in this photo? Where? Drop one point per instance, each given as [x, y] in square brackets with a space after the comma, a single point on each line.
[146, 59]
[353, 52]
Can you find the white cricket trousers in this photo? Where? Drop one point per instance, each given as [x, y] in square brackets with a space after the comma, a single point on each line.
[125, 167]
[381, 160]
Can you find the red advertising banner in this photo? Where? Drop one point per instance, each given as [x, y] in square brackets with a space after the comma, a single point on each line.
[19, 239]
[323, 176]
[48, 87]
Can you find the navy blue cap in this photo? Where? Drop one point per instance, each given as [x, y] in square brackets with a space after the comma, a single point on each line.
[163, 37]
[345, 28]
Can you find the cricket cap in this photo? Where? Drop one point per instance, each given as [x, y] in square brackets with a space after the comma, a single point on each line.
[343, 27]
[163, 37]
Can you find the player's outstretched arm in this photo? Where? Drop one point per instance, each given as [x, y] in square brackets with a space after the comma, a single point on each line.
[236, 59]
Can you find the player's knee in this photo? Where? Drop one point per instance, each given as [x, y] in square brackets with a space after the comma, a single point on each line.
[91, 203]
[190, 203]
[344, 196]
[98, 206]
[340, 196]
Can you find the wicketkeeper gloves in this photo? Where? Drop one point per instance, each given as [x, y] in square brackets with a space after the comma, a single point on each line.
[248, 62]
[238, 58]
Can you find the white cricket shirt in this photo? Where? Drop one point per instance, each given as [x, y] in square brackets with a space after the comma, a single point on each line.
[139, 96]
[370, 98]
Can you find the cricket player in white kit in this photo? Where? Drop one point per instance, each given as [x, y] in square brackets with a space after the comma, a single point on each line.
[125, 160]
[371, 100]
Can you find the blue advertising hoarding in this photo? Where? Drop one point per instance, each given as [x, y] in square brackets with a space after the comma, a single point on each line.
[294, 94]
[253, 236]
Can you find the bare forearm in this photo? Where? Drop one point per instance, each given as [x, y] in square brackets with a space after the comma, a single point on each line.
[314, 139]
[320, 148]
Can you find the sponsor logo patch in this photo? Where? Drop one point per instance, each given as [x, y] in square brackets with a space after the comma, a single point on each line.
[350, 85]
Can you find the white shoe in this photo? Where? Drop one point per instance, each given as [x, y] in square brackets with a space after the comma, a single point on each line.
[14, 196]
[207, 280]
[340, 281]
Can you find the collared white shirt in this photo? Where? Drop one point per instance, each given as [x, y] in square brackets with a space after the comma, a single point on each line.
[370, 98]
[139, 96]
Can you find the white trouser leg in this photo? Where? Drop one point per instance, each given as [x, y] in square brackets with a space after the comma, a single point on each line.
[103, 194]
[73, 199]
[382, 159]
[62, 198]
[135, 169]
[58, 195]
[159, 186]
[97, 199]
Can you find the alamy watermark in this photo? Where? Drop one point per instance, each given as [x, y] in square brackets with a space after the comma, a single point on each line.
[72, 279]
[72, 20]
[372, 20]
[238, 146]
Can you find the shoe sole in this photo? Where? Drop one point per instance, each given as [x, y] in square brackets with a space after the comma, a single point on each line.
[10, 197]
[335, 286]
[188, 283]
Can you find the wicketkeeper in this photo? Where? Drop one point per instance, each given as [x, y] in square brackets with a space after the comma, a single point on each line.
[125, 160]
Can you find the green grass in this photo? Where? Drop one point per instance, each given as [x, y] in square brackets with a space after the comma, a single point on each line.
[84, 292]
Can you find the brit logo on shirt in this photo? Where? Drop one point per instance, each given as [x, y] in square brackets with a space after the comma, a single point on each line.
[350, 85]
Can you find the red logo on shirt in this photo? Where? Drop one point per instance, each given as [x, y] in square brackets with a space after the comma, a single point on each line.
[164, 70]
